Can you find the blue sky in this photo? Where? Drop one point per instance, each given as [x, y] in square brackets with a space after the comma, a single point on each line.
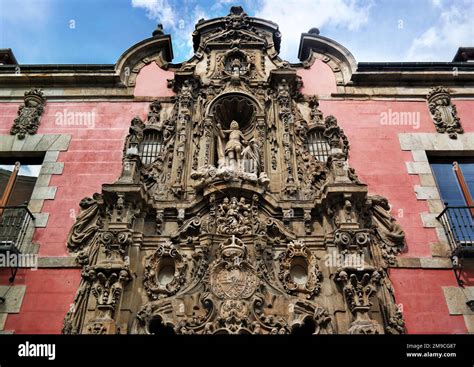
[99, 31]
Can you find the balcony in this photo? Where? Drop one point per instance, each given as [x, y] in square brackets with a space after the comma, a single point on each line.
[14, 223]
[458, 224]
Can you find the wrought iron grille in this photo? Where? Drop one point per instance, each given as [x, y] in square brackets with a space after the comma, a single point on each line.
[150, 146]
[14, 222]
[458, 224]
[317, 145]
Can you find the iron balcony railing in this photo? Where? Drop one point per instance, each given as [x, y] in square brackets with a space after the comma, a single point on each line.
[14, 222]
[458, 224]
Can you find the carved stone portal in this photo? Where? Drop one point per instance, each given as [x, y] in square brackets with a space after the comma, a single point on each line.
[223, 221]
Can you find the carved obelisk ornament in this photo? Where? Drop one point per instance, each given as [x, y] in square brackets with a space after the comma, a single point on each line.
[225, 219]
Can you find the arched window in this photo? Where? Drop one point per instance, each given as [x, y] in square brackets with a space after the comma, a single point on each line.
[150, 146]
[317, 145]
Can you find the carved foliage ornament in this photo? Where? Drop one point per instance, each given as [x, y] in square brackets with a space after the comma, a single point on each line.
[358, 289]
[107, 288]
[443, 112]
[29, 114]
[299, 271]
[165, 272]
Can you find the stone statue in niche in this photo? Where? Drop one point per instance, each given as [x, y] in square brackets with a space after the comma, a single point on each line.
[230, 153]
[251, 157]
[237, 159]
[235, 71]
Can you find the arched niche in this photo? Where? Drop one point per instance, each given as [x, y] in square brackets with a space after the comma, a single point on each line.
[240, 107]
[229, 107]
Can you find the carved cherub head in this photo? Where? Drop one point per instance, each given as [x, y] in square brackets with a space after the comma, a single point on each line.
[234, 125]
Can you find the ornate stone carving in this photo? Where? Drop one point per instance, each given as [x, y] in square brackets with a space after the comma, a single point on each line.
[389, 235]
[231, 277]
[352, 241]
[234, 217]
[311, 172]
[86, 225]
[299, 271]
[223, 228]
[165, 272]
[29, 114]
[358, 289]
[107, 288]
[153, 117]
[443, 112]
[316, 115]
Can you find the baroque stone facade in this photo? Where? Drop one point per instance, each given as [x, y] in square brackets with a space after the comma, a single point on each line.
[235, 225]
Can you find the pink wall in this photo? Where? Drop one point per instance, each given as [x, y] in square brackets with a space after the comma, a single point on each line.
[318, 80]
[376, 155]
[49, 293]
[94, 157]
[152, 82]
[424, 305]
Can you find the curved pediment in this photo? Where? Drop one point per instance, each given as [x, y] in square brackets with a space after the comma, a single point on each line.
[315, 47]
[156, 49]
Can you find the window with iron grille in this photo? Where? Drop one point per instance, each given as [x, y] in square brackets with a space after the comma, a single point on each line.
[17, 182]
[455, 180]
[317, 145]
[150, 146]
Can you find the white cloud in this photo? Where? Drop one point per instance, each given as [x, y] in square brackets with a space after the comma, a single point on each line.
[159, 10]
[296, 17]
[440, 42]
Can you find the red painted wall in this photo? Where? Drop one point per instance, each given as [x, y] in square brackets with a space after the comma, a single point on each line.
[376, 155]
[94, 158]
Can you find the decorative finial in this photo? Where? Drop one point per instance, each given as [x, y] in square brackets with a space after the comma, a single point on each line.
[236, 10]
[158, 31]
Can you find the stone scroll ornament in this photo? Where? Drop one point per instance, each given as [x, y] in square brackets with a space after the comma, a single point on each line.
[443, 112]
[29, 114]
